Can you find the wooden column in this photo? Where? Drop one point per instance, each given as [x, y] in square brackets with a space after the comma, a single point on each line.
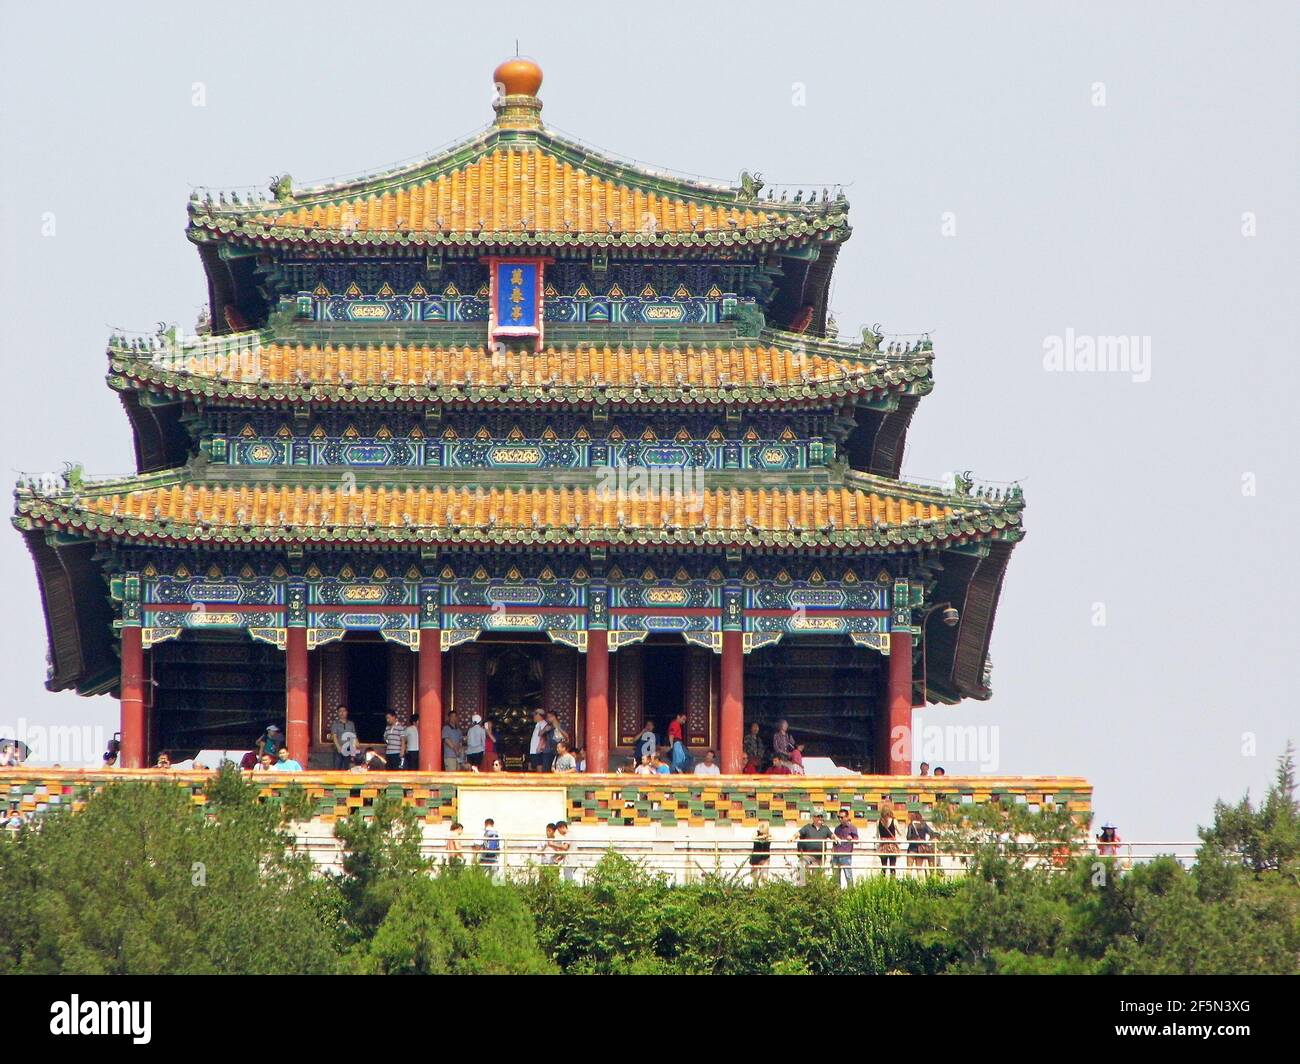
[429, 699]
[597, 714]
[296, 686]
[732, 711]
[898, 752]
[133, 753]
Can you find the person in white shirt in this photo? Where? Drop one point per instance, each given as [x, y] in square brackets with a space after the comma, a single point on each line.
[564, 760]
[536, 743]
[707, 767]
[411, 745]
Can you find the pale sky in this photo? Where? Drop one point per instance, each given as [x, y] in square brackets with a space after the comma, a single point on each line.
[1017, 173]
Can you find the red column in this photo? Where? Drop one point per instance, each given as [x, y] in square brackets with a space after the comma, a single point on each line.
[732, 725]
[899, 749]
[295, 694]
[133, 752]
[429, 699]
[596, 721]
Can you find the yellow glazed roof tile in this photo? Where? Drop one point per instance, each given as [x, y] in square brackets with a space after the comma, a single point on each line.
[502, 508]
[580, 365]
[525, 189]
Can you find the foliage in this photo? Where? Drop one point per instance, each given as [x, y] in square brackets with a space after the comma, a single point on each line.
[627, 920]
[1261, 840]
[380, 854]
[136, 882]
[144, 880]
[459, 923]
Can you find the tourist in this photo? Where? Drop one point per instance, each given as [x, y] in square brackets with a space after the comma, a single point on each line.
[265, 763]
[343, 734]
[287, 763]
[452, 848]
[660, 766]
[552, 736]
[545, 848]
[368, 760]
[452, 745]
[753, 750]
[564, 760]
[647, 766]
[887, 834]
[580, 756]
[1108, 841]
[490, 748]
[796, 760]
[475, 743]
[846, 838]
[392, 741]
[270, 741]
[490, 848]
[681, 760]
[707, 767]
[496, 766]
[938, 771]
[110, 759]
[536, 741]
[411, 745]
[163, 762]
[14, 819]
[561, 846]
[925, 768]
[627, 768]
[782, 741]
[812, 845]
[646, 743]
[8, 756]
[779, 767]
[919, 848]
[760, 857]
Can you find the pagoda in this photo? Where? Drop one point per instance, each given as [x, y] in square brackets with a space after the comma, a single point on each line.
[519, 426]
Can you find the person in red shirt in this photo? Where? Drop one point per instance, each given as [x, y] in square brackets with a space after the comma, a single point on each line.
[779, 767]
[677, 755]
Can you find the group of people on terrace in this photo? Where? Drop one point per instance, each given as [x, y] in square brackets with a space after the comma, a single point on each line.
[813, 844]
[815, 838]
[475, 749]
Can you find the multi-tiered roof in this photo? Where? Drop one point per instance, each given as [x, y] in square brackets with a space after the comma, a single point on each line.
[752, 345]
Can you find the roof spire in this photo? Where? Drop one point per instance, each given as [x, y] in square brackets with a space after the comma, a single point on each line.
[517, 81]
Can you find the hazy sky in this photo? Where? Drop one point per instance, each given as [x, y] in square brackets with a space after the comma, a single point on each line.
[1017, 173]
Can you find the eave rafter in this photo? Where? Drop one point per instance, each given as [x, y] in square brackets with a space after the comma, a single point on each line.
[173, 509]
[719, 375]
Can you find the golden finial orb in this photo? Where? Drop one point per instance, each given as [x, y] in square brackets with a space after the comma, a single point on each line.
[518, 76]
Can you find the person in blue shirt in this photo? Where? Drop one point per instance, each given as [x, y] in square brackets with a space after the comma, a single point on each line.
[286, 763]
[645, 744]
[270, 741]
[490, 848]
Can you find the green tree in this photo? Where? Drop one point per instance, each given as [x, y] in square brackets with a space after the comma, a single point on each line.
[140, 881]
[381, 852]
[1260, 840]
[458, 923]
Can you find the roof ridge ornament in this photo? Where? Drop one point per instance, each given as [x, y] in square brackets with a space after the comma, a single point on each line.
[516, 104]
[750, 186]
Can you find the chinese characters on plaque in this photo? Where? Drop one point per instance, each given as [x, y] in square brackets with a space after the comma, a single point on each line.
[517, 298]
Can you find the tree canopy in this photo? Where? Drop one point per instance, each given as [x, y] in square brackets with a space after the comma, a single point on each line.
[144, 880]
